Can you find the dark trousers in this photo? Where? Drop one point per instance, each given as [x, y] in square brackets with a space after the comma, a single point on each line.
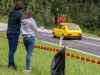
[13, 43]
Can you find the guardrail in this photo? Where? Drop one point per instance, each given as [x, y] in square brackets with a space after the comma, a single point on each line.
[86, 59]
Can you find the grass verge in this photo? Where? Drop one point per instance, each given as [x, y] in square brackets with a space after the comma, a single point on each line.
[41, 61]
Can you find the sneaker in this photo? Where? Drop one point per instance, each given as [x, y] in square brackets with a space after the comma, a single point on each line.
[13, 67]
[27, 70]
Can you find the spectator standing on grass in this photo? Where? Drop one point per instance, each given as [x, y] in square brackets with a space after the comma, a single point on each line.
[28, 29]
[13, 32]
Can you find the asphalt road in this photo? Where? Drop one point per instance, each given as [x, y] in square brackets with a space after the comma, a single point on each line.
[86, 44]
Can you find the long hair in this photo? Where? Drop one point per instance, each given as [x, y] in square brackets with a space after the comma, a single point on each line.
[18, 6]
[27, 15]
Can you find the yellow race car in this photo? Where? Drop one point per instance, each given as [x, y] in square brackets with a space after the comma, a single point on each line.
[67, 30]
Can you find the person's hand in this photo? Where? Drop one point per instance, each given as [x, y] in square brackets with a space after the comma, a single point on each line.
[33, 30]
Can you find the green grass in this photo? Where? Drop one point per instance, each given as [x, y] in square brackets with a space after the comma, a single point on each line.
[90, 35]
[41, 61]
[3, 19]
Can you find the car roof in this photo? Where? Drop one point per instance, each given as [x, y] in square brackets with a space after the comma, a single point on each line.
[67, 24]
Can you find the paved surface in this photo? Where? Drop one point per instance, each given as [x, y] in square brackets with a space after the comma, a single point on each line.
[87, 44]
[3, 28]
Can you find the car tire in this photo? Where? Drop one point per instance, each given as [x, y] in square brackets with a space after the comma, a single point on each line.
[53, 35]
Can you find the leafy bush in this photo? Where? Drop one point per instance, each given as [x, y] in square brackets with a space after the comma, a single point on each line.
[3, 19]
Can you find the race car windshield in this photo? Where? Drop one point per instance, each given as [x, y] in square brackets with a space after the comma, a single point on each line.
[73, 27]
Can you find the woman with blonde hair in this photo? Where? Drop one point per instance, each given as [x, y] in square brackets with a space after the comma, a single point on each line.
[28, 29]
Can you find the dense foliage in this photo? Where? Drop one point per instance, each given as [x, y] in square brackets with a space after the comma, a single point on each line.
[86, 13]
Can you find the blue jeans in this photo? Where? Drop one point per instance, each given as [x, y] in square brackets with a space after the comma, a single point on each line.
[29, 45]
[13, 43]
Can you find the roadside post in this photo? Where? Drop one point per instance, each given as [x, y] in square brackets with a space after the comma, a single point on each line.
[60, 41]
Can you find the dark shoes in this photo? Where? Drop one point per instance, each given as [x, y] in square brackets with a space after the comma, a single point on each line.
[13, 67]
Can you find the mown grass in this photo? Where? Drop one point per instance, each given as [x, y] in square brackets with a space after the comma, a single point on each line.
[41, 61]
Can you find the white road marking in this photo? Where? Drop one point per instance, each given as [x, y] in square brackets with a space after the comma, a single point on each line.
[46, 34]
[80, 41]
[72, 49]
[87, 43]
[92, 38]
[77, 41]
[83, 36]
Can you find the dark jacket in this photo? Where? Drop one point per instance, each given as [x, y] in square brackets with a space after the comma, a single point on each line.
[14, 22]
